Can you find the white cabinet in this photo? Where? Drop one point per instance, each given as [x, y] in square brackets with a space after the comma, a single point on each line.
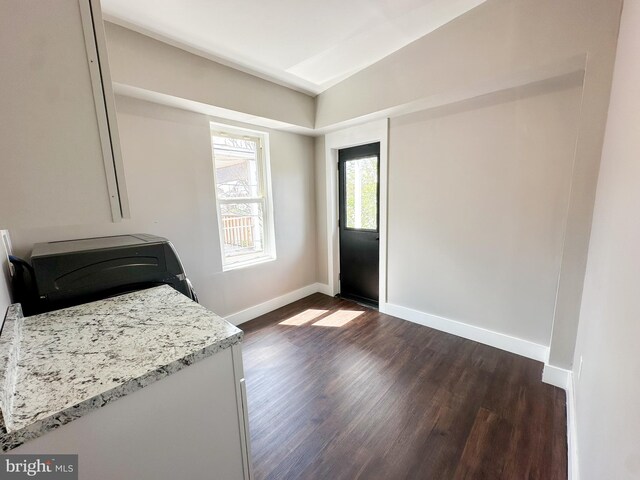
[189, 425]
[60, 161]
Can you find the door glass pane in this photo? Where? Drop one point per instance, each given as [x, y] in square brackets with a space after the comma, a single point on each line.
[361, 193]
[236, 164]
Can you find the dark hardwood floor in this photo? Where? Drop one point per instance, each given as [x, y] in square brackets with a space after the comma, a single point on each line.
[382, 398]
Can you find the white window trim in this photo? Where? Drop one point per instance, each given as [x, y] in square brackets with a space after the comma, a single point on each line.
[269, 253]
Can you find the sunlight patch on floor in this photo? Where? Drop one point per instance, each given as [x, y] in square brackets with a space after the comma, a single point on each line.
[338, 319]
[303, 317]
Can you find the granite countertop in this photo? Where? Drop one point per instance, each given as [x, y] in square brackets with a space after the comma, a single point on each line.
[58, 366]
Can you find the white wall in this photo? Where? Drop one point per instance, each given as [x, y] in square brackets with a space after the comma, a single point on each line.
[478, 200]
[499, 45]
[49, 129]
[608, 388]
[169, 171]
[142, 62]
[478, 196]
[494, 41]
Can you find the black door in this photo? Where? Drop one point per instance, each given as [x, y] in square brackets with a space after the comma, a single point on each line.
[359, 219]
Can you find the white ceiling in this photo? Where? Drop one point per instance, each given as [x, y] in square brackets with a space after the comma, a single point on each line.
[309, 45]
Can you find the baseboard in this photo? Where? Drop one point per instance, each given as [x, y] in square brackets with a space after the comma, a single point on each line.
[559, 377]
[556, 376]
[511, 344]
[324, 288]
[275, 303]
[572, 432]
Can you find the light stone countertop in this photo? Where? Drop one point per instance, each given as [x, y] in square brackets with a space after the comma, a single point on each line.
[58, 366]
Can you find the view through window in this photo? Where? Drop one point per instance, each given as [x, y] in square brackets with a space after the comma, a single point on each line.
[362, 193]
[242, 190]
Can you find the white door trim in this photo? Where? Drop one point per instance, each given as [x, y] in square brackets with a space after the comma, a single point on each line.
[377, 131]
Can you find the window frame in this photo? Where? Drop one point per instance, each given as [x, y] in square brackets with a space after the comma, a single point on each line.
[265, 197]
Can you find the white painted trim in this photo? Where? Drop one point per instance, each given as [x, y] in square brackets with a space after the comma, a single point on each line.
[556, 376]
[572, 431]
[266, 193]
[324, 288]
[243, 411]
[371, 132]
[275, 303]
[104, 100]
[559, 377]
[562, 378]
[511, 344]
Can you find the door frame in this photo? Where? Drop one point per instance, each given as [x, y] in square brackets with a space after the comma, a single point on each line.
[372, 132]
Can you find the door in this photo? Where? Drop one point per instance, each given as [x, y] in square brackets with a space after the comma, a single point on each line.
[359, 220]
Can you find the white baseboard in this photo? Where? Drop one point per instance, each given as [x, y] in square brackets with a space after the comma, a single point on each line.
[562, 378]
[275, 303]
[324, 288]
[572, 431]
[515, 345]
[556, 376]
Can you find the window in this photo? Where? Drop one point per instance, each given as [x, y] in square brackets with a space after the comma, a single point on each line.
[361, 193]
[243, 191]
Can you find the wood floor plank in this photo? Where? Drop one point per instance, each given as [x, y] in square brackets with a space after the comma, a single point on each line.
[382, 398]
[479, 462]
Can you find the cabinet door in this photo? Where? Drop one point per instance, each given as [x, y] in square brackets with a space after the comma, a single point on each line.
[59, 154]
[183, 426]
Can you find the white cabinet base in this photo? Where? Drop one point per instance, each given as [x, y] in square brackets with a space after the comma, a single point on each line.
[189, 425]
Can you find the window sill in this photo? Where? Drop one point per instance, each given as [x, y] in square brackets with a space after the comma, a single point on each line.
[248, 263]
